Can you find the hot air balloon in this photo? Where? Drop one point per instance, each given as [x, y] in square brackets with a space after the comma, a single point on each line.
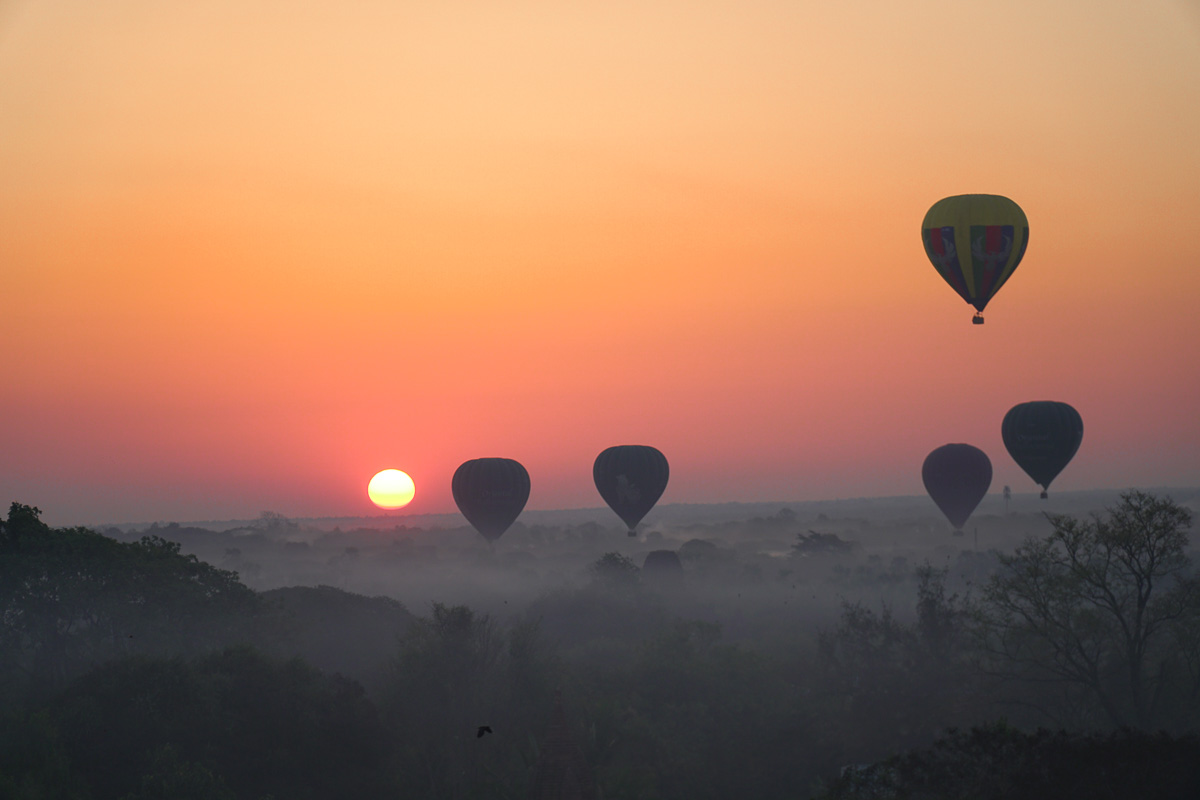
[957, 476]
[1042, 437]
[490, 493]
[975, 242]
[631, 478]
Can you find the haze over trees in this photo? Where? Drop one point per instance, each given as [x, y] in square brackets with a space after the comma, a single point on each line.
[783, 650]
[1105, 611]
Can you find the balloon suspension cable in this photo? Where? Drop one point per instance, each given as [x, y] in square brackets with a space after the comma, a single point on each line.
[977, 319]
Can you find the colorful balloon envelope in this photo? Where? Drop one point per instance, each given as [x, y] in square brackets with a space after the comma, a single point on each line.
[1042, 437]
[631, 478]
[490, 493]
[957, 477]
[975, 242]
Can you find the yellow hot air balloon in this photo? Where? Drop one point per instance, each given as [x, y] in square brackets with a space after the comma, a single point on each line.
[975, 242]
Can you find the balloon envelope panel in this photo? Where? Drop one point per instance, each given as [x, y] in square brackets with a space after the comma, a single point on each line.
[975, 242]
[1042, 437]
[957, 477]
[631, 478]
[490, 493]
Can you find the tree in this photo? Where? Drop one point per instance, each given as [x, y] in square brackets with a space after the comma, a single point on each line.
[1097, 610]
[456, 674]
[235, 720]
[891, 685]
[820, 544]
[33, 760]
[998, 762]
[173, 779]
[71, 598]
[614, 569]
[446, 682]
[334, 630]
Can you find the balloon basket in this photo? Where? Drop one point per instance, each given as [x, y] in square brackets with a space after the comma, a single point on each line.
[631, 533]
[977, 319]
[1044, 495]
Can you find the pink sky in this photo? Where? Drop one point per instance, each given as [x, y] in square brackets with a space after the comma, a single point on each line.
[252, 255]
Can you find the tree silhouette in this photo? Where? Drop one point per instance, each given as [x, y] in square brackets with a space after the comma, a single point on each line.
[71, 598]
[1098, 608]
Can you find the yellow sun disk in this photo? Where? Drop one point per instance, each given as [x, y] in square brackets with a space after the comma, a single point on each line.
[391, 488]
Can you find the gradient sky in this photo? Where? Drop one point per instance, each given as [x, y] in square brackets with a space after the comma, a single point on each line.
[253, 252]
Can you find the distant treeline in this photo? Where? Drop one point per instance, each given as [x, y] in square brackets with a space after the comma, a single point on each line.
[131, 670]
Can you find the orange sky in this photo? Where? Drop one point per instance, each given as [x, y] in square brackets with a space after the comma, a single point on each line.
[251, 253]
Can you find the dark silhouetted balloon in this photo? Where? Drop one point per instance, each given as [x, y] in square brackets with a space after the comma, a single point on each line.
[1042, 437]
[490, 493]
[957, 476]
[975, 242]
[631, 478]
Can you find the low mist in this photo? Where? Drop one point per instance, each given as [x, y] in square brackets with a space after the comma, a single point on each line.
[738, 650]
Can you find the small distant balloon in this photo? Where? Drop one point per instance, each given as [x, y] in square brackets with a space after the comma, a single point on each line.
[1042, 437]
[975, 242]
[957, 477]
[490, 493]
[631, 478]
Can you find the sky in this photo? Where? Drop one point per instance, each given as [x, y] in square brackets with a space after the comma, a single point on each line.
[252, 253]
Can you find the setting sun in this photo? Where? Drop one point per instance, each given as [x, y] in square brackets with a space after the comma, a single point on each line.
[391, 488]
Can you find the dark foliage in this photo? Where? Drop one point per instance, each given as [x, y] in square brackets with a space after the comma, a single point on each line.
[891, 685]
[821, 544]
[1103, 612]
[661, 700]
[335, 630]
[997, 762]
[458, 675]
[72, 598]
[692, 717]
[614, 569]
[249, 723]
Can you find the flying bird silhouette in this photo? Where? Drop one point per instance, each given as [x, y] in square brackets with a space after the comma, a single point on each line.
[482, 730]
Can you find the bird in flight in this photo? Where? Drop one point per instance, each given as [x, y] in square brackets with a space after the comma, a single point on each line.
[482, 730]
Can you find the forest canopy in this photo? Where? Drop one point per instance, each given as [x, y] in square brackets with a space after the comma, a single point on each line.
[134, 669]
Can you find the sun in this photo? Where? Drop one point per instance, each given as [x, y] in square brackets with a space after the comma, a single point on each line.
[391, 489]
